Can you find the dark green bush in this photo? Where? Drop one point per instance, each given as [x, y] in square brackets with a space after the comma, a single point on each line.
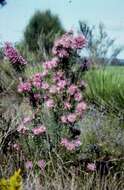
[43, 25]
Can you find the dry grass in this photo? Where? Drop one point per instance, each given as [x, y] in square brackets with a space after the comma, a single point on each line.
[73, 182]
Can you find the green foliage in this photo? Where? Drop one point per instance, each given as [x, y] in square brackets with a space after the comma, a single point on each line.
[106, 88]
[43, 25]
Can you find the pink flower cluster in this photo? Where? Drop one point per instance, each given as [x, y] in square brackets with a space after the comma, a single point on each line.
[70, 118]
[81, 107]
[49, 103]
[13, 56]
[49, 65]
[16, 146]
[39, 130]
[70, 144]
[79, 42]
[75, 101]
[24, 87]
[60, 87]
[37, 96]
[37, 80]
[59, 80]
[22, 129]
[72, 89]
[57, 76]
[53, 89]
[67, 44]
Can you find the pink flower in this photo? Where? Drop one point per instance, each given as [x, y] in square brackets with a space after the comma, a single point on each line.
[91, 167]
[44, 73]
[62, 53]
[37, 96]
[67, 144]
[72, 89]
[58, 76]
[45, 85]
[37, 76]
[22, 129]
[63, 119]
[41, 164]
[79, 42]
[78, 96]
[67, 105]
[77, 142]
[48, 65]
[70, 146]
[53, 89]
[46, 97]
[37, 80]
[64, 141]
[71, 117]
[24, 87]
[37, 84]
[27, 119]
[61, 84]
[29, 164]
[16, 146]
[39, 130]
[81, 107]
[50, 103]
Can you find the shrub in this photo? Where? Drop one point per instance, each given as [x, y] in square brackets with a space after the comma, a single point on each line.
[43, 25]
[57, 101]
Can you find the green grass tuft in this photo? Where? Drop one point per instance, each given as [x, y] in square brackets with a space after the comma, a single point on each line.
[106, 87]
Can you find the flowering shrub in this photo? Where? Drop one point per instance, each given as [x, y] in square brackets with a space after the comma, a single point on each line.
[57, 88]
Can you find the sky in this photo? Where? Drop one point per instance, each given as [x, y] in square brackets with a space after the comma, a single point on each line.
[16, 14]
